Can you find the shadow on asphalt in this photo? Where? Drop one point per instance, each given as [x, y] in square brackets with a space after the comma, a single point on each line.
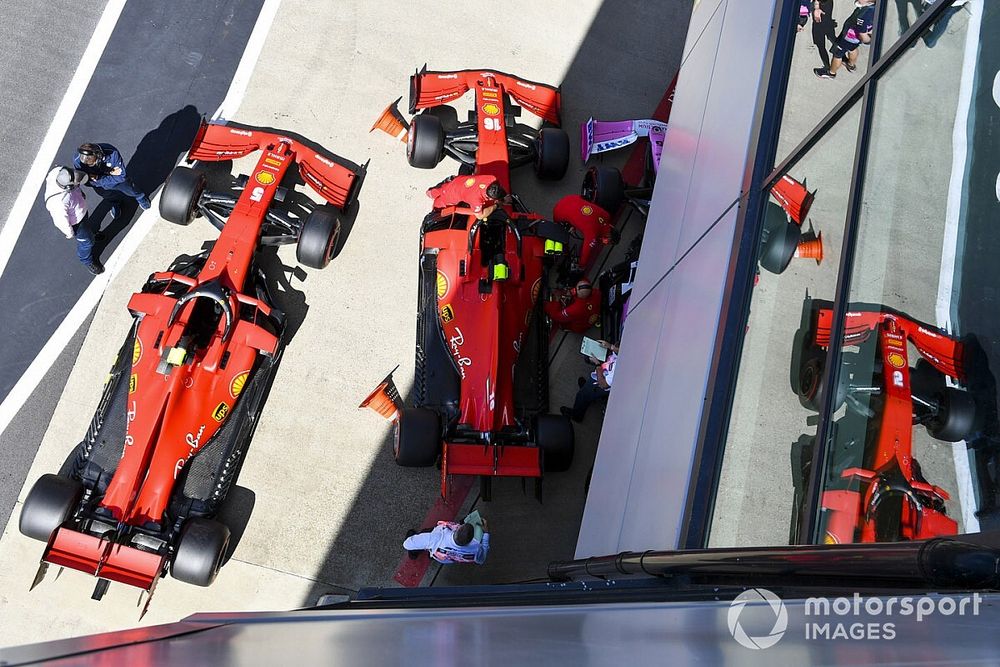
[149, 166]
[608, 78]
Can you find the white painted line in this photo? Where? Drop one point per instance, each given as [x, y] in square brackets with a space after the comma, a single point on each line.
[41, 364]
[248, 62]
[950, 262]
[996, 89]
[57, 130]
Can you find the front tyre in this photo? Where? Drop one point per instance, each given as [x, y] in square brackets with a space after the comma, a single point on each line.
[605, 187]
[181, 192]
[551, 153]
[425, 142]
[318, 238]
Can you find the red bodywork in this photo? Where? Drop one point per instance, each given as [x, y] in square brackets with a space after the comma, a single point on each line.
[178, 400]
[484, 331]
[850, 515]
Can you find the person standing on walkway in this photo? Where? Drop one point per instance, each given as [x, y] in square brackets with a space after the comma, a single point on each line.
[106, 169]
[857, 31]
[824, 29]
[66, 203]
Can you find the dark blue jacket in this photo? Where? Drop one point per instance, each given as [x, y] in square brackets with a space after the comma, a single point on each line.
[100, 173]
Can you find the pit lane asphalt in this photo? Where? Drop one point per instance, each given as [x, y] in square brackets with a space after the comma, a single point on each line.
[164, 65]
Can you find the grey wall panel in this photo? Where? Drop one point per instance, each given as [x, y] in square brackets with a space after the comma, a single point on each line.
[701, 15]
[672, 416]
[666, 355]
[720, 164]
[616, 454]
[680, 152]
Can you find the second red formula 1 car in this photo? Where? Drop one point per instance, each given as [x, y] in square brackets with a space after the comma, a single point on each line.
[138, 496]
[480, 330]
[879, 494]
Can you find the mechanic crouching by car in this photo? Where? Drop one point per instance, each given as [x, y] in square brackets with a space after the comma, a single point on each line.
[597, 387]
[67, 205]
[477, 196]
[576, 309]
[106, 169]
[448, 542]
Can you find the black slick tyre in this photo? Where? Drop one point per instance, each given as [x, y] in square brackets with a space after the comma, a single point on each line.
[551, 153]
[416, 438]
[318, 237]
[425, 142]
[200, 551]
[181, 192]
[554, 436]
[51, 501]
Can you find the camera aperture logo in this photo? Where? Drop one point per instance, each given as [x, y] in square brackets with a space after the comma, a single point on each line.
[776, 606]
[855, 618]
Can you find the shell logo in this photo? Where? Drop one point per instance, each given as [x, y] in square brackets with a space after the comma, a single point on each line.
[264, 177]
[442, 285]
[491, 109]
[469, 182]
[587, 210]
[535, 289]
[136, 352]
[897, 360]
[236, 386]
[830, 538]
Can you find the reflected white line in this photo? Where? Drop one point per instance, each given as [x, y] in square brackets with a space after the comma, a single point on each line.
[950, 262]
[11, 230]
[41, 364]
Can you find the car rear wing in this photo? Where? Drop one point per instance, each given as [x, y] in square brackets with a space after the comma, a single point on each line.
[431, 89]
[105, 559]
[334, 178]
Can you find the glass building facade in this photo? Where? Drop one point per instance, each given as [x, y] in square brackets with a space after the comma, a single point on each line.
[855, 395]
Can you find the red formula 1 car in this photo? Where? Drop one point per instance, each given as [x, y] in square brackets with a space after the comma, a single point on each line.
[138, 495]
[880, 495]
[480, 330]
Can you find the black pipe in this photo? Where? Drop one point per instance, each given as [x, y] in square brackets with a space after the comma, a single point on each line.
[938, 562]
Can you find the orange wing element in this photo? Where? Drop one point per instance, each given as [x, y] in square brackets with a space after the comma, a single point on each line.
[431, 89]
[334, 178]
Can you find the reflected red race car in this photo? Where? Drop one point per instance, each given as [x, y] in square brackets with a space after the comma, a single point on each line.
[884, 497]
[138, 495]
[481, 387]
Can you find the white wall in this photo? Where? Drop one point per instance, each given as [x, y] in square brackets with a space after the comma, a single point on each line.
[643, 468]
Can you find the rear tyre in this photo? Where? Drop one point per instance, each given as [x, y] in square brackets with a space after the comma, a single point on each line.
[605, 187]
[200, 551]
[956, 417]
[425, 142]
[318, 237]
[51, 501]
[551, 153]
[554, 436]
[416, 438]
[181, 192]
